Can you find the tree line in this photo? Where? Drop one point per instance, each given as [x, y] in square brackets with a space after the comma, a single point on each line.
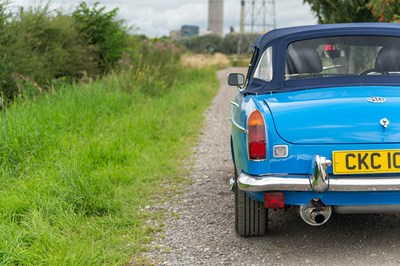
[338, 11]
[234, 43]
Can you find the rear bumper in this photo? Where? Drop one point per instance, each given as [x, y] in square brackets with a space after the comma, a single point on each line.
[282, 182]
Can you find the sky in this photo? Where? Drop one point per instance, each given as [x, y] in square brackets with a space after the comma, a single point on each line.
[158, 18]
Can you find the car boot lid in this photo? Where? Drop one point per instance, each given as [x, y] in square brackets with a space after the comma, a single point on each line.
[341, 115]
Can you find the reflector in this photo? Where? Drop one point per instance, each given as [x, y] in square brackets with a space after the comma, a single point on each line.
[274, 200]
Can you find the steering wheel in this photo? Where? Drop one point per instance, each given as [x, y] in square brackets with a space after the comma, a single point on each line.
[369, 71]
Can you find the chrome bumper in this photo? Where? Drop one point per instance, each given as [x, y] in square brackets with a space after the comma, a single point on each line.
[282, 182]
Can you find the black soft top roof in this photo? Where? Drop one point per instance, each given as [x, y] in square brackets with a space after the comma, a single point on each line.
[279, 39]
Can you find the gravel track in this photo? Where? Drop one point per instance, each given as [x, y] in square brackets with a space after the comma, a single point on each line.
[204, 232]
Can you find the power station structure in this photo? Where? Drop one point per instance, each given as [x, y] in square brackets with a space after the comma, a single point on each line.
[257, 16]
[216, 16]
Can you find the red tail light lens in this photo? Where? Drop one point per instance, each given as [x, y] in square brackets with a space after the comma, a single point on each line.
[274, 200]
[256, 136]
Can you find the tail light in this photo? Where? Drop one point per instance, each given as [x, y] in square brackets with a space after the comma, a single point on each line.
[256, 136]
[274, 200]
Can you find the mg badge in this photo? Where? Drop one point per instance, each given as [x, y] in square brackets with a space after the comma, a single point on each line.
[384, 122]
[376, 100]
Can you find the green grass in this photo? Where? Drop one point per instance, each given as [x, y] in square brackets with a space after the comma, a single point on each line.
[78, 166]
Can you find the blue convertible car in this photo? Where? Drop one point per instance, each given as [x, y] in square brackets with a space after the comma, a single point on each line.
[316, 124]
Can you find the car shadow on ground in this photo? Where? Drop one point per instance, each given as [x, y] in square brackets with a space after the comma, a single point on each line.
[371, 238]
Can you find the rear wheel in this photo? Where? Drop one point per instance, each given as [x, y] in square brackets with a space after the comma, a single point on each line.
[251, 218]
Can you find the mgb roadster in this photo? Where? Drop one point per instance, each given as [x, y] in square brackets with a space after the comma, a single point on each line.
[316, 124]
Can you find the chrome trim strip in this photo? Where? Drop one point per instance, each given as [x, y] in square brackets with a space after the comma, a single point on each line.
[235, 104]
[237, 125]
[233, 121]
[274, 182]
[364, 184]
[279, 182]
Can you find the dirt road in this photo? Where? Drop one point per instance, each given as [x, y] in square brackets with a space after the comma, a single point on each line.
[204, 233]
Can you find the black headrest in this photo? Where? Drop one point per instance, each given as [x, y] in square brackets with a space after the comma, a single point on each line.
[302, 60]
[388, 59]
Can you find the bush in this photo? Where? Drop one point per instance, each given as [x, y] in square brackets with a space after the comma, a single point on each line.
[104, 31]
[210, 43]
[230, 44]
[152, 65]
[54, 47]
[11, 56]
[239, 43]
[40, 47]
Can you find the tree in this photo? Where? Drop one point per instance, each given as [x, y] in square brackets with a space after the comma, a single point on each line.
[385, 10]
[53, 45]
[239, 43]
[210, 43]
[340, 11]
[104, 30]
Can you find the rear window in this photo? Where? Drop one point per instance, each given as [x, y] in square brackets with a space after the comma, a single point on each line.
[343, 56]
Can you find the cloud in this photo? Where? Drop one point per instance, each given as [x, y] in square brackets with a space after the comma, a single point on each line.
[159, 22]
[294, 13]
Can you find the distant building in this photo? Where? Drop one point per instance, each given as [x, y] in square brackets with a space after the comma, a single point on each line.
[216, 16]
[175, 35]
[188, 31]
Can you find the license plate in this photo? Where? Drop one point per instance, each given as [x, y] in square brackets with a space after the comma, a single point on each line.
[366, 162]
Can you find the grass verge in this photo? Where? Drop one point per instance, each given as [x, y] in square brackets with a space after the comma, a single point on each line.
[79, 165]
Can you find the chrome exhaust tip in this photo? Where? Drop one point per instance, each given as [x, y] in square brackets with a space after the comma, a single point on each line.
[315, 213]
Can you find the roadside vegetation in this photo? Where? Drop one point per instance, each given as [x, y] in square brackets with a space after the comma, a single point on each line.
[93, 128]
[42, 48]
[80, 164]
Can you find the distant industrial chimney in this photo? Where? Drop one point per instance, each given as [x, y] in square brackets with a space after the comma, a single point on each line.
[216, 16]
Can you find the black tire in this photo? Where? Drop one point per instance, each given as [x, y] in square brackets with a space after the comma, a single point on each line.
[251, 218]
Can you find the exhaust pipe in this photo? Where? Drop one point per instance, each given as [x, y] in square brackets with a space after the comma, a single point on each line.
[315, 213]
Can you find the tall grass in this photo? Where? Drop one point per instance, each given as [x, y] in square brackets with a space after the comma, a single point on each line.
[79, 164]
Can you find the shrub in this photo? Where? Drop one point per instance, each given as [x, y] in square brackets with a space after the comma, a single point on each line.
[210, 43]
[53, 45]
[154, 66]
[104, 31]
[11, 56]
[39, 47]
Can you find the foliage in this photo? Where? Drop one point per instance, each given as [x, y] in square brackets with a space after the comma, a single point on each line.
[11, 54]
[239, 43]
[339, 11]
[104, 30]
[153, 65]
[80, 164]
[385, 10]
[210, 43]
[41, 48]
[230, 44]
[54, 48]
